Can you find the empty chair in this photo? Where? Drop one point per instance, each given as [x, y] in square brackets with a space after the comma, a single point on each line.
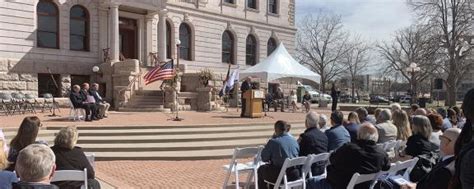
[76, 113]
[289, 163]
[6, 101]
[30, 103]
[71, 175]
[405, 167]
[249, 167]
[358, 178]
[49, 103]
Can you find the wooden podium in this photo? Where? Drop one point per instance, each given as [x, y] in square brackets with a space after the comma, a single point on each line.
[253, 102]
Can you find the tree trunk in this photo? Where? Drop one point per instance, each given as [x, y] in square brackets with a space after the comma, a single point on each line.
[352, 91]
[450, 94]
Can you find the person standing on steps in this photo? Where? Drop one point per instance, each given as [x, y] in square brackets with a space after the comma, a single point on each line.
[245, 87]
[334, 97]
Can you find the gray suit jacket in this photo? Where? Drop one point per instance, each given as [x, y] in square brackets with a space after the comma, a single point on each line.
[387, 131]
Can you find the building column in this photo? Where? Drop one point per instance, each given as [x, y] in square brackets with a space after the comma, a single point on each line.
[162, 35]
[114, 33]
[149, 37]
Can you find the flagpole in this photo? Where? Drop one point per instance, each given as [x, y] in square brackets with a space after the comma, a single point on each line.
[178, 43]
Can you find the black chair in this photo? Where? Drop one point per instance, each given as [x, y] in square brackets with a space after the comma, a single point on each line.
[49, 103]
[19, 103]
[6, 103]
[30, 103]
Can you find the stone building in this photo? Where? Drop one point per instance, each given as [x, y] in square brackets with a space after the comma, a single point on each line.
[64, 39]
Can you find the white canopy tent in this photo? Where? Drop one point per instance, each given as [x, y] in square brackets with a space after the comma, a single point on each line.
[280, 65]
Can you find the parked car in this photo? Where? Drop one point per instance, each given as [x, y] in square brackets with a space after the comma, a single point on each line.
[315, 94]
[405, 99]
[378, 100]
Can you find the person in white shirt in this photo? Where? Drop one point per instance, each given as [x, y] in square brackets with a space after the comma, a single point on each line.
[101, 103]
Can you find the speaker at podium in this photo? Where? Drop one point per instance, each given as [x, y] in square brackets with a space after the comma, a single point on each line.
[253, 99]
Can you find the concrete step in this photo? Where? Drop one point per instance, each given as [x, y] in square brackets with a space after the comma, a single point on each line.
[135, 97]
[149, 93]
[147, 109]
[167, 155]
[138, 106]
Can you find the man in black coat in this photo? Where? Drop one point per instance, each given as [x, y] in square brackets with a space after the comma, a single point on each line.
[244, 88]
[442, 172]
[334, 97]
[363, 156]
[313, 141]
[80, 101]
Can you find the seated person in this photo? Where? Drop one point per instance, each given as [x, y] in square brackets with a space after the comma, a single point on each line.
[307, 101]
[352, 125]
[278, 98]
[442, 172]
[71, 157]
[78, 100]
[281, 146]
[313, 141]
[99, 101]
[7, 178]
[268, 101]
[362, 156]
[292, 100]
[337, 134]
[386, 129]
[34, 175]
[27, 134]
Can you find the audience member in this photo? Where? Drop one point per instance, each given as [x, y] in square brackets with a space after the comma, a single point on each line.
[363, 157]
[35, 166]
[420, 111]
[78, 100]
[364, 116]
[352, 125]
[281, 146]
[99, 101]
[446, 122]
[460, 116]
[313, 141]
[413, 108]
[395, 107]
[419, 143]
[26, 135]
[376, 115]
[440, 175]
[400, 120]
[2, 137]
[464, 147]
[452, 117]
[323, 123]
[436, 122]
[337, 134]
[278, 97]
[7, 178]
[71, 157]
[386, 130]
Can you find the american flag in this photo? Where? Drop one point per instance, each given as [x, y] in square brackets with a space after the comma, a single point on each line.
[160, 72]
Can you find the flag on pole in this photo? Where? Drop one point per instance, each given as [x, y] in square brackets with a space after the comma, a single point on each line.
[224, 84]
[234, 77]
[160, 72]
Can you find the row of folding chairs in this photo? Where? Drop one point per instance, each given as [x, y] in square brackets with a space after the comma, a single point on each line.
[20, 103]
[236, 168]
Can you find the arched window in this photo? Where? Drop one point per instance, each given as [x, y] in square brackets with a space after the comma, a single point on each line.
[228, 47]
[273, 6]
[251, 51]
[271, 46]
[168, 39]
[79, 29]
[47, 33]
[185, 38]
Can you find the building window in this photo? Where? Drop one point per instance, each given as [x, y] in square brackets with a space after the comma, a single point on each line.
[228, 47]
[251, 51]
[168, 40]
[185, 38]
[79, 29]
[271, 46]
[252, 4]
[47, 33]
[273, 6]
[229, 1]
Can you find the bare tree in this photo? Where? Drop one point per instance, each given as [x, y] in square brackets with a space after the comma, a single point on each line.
[411, 45]
[356, 61]
[453, 21]
[321, 44]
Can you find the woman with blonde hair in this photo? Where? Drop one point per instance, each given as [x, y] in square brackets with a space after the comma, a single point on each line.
[6, 177]
[71, 157]
[401, 121]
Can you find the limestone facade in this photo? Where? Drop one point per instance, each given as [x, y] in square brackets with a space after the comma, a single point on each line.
[21, 60]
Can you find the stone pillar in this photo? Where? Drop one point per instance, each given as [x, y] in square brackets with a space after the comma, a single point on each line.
[204, 98]
[114, 33]
[162, 34]
[149, 37]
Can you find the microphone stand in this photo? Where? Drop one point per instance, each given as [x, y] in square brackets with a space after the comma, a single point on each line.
[54, 101]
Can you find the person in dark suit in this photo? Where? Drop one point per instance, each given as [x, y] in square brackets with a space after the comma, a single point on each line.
[71, 157]
[281, 146]
[244, 88]
[334, 97]
[78, 100]
[440, 175]
[91, 100]
[362, 156]
[313, 141]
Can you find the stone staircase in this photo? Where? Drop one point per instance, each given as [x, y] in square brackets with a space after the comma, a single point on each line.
[146, 101]
[200, 142]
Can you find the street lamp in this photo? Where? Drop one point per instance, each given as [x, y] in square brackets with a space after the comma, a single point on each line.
[178, 43]
[412, 69]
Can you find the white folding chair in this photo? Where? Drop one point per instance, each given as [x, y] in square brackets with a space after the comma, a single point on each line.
[390, 145]
[399, 147]
[358, 178]
[91, 158]
[295, 162]
[76, 113]
[321, 159]
[236, 167]
[407, 165]
[71, 175]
